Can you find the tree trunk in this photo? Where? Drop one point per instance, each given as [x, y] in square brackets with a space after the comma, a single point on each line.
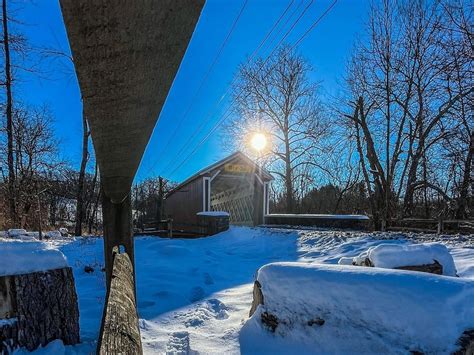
[408, 204]
[90, 209]
[161, 194]
[45, 307]
[82, 173]
[9, 117]
[461, 212]
[94, 211]
[288, 176]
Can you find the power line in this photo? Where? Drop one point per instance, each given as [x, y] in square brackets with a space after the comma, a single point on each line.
[230, 85]
[210, 114]
[315, 23]
[224, 117]
[201, 85]
[276, 24]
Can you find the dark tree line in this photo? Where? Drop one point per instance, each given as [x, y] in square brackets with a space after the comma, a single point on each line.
[148, 201]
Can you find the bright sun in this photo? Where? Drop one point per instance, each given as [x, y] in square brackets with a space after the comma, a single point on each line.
[258, 141]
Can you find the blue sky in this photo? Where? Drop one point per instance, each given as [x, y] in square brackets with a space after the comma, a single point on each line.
[327, 47]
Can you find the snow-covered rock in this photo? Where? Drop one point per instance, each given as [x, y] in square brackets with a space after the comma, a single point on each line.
[15, 233]
[24, 257]
[345, 261]
[53, 234]
[359, 310]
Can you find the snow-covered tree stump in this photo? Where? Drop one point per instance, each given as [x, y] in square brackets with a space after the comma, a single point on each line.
[38, 307]
[357, 307]
[433, 258]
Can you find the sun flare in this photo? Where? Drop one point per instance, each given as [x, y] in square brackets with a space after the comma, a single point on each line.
[258, 141]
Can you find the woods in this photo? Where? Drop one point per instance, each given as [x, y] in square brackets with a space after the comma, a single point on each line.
[399, 139]
[396, 142]
[38, 185]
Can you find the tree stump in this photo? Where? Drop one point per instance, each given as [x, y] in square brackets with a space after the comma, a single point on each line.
[257, 297]
[42, 307]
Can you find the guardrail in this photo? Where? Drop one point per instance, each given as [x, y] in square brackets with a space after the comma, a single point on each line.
[120, 333]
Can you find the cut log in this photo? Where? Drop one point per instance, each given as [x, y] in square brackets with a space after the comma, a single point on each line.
[43, 308]
[435, 268]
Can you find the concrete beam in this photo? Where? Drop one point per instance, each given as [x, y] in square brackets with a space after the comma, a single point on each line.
[126, 55]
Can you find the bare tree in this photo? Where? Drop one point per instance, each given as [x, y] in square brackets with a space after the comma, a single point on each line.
[19, 58]
[35, 151]
[459, 145]
[403, 99]
[8, 114]
[275, 96]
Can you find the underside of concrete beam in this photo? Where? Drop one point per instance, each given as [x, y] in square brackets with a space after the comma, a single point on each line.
[126, 55]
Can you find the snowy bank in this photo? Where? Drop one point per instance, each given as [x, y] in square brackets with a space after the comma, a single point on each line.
[349, 309]
[24, 257]
[391, 256]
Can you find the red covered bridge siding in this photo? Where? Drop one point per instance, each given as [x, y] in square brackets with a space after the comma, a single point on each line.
[235, 184]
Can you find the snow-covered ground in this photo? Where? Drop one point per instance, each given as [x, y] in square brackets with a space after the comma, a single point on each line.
[194, 295]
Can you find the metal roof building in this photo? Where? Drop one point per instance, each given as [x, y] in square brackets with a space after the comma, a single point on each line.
[236, 185]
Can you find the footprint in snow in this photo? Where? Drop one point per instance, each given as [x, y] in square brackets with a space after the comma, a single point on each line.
[143, 324]
[161, 294]
[218, 307]
[178, 344]
[208, 310]
[208, 280]
[196, 294]
[145, 304]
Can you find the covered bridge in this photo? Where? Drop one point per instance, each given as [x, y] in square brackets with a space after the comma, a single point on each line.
[236, 185]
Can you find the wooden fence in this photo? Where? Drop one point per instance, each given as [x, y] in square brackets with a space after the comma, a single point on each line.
[439, 226]
[120, 333]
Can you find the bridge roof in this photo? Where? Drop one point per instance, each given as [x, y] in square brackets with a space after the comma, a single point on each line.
[126, 55]
[236, 156]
